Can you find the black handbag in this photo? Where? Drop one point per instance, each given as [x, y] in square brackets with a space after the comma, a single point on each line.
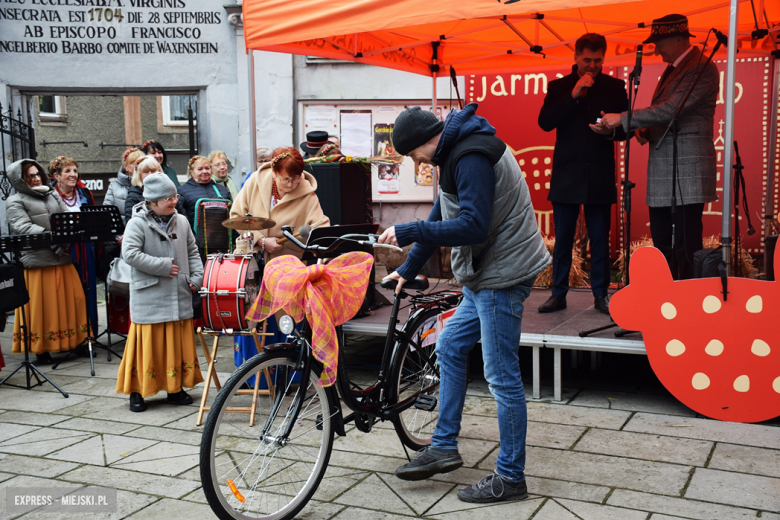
[13, 289]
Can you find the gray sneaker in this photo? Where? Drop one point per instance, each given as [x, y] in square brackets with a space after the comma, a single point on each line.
[494, 488]
[429, 462]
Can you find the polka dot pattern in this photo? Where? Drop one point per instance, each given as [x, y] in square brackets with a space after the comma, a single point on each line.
[675, 348]
[714, 348]
[711, 304]
[776, 385]
[742, 384]
[755, 304]
[760, 348]
[668, 311]
[700, 381]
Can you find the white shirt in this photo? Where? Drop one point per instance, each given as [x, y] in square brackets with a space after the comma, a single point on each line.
[681, 56]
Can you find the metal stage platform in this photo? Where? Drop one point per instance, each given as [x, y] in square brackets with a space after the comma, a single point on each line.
[558, 330]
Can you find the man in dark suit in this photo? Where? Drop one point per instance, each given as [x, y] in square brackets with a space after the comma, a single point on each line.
[696, 159]
[583, 171]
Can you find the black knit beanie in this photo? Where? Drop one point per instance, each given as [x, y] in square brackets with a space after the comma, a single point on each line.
[413, 128]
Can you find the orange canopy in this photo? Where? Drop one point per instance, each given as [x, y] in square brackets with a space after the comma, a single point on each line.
[485, 36]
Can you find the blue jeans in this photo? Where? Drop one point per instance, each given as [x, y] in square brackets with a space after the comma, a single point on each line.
[495, 315]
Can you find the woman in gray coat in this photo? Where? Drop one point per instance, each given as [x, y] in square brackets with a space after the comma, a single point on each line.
[56, 313]
[166, 270]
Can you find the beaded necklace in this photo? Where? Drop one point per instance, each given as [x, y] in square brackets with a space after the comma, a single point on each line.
[74, 197]
[275, 193]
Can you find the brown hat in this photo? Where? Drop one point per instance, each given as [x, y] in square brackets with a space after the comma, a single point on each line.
[668, 26]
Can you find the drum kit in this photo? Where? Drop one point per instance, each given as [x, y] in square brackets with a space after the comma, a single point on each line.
[232, 282]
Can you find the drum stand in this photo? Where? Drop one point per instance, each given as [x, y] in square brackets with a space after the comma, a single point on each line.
[15, 244]
[211, 373]
[87, 226]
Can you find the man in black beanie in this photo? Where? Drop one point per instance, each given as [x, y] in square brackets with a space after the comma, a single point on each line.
[485, 214]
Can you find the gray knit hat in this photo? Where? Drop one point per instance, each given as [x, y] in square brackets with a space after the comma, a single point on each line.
[413, 128]
[158, 186]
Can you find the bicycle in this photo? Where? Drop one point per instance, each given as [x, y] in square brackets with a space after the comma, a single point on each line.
[271, 470]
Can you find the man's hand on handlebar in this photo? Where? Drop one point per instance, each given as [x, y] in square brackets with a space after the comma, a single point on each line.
[395, 276]
[388, 237]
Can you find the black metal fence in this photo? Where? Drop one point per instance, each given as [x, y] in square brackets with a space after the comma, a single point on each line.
[17, 141]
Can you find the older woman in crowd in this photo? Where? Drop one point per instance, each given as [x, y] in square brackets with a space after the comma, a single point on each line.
[116, 194]
[156, 150]
[56, 314]
[200, 185]
[219, 170]
[282, 191]
[73, 192]
[166, 270]
[143, 166]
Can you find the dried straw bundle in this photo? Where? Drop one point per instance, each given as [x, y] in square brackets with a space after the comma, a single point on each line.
[748, 269]
[576, 274]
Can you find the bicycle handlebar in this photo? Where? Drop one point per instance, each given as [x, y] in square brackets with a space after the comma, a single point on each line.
[364, 240]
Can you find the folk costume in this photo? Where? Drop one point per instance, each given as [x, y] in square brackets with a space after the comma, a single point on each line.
[160, 350]
[56, 313]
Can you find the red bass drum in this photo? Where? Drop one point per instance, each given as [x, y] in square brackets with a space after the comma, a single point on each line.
[231, 284]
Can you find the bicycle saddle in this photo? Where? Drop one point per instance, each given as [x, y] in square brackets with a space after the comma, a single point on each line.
[420, 283]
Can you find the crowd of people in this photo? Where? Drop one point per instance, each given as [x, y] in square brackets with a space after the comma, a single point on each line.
[159, 245]
[484, 213]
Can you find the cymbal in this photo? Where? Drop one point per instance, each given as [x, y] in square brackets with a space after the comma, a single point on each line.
[248, 223]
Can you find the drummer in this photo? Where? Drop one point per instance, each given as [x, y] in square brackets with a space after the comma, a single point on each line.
[281, 191]
[284, 193]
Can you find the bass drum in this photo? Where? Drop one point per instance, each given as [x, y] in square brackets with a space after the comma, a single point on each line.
[231, 284]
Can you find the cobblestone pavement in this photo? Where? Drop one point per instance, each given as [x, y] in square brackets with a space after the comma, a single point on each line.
[618, 447]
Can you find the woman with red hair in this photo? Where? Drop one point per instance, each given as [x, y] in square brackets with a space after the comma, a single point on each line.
[282, 191]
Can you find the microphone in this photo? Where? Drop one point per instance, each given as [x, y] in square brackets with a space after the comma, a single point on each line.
[584, 90]
[722, 38]
[638, 66]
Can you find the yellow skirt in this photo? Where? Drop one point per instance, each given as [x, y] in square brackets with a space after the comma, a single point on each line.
[56, 312]
[159, 356]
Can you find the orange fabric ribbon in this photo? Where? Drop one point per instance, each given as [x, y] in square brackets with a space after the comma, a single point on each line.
[327, 294]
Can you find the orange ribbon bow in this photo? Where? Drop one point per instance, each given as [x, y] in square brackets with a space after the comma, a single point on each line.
[327, 294]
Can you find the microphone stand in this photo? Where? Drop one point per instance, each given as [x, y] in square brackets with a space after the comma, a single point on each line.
[673, 127]
[633, 87]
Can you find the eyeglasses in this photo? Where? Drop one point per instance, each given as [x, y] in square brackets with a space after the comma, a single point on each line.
[33, 175]
[170, 199]
[289, 180]
[219, 164]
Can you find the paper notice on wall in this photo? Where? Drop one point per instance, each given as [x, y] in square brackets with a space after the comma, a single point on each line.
[387, 177]
[431, 329]
[357, 136]
[321, 117]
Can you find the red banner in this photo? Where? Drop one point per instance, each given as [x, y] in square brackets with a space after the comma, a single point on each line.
[511, 102]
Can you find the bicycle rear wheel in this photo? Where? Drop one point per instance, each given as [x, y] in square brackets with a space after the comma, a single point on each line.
[252, 472]
[417, 374]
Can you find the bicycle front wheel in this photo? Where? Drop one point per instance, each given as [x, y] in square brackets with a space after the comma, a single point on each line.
[255, 472]
[417, 377]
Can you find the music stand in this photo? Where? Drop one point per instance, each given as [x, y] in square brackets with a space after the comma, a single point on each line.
[86, 226]
[116, 216]
[321, 235]
[15, 244]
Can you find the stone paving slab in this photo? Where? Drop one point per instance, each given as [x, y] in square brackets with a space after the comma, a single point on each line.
[174, 509]
[39, 402]
[419, 496]
[744, 459]
[552, 510]
[32, 418]
[654, 477]
[167, 434]
[163, 458]
[632, 402]
[373, 493]
[34, 466]
[735, 489]
[28, 482]
[683, 507]
[451, 508]
[43, 441]
[96, 425]
[562, 414]
[647, 447]
[131, 481]
[706, 429]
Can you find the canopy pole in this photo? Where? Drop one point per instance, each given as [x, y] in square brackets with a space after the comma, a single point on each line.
[435, 170]
[250, 55]
[769, 213]
[728, 156]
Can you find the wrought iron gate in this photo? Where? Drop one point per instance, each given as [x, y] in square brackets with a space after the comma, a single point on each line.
[17, 141]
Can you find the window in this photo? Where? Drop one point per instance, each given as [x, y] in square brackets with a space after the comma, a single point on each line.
[175, 110]
[52, 108]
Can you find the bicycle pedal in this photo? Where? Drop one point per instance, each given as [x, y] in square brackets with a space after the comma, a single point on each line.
[318, 422]
[425, 402]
